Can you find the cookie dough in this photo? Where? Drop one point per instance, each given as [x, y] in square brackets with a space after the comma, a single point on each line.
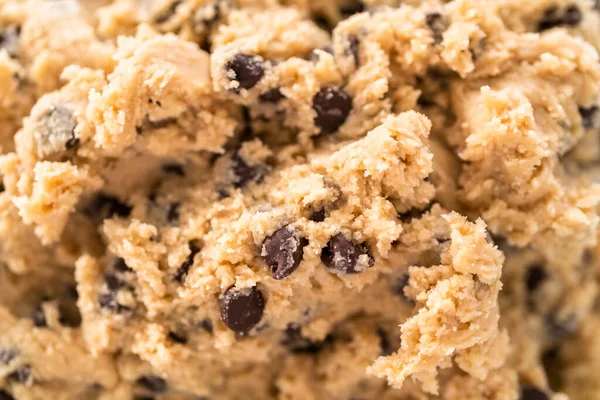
[296, 199]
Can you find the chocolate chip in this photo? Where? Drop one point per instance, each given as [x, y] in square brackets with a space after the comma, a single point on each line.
[4, 395]
[153, 383]
[589, 117]
[384, 342]
[343, 256]
[283, 251]
[207, 325]
[551, 19]
[113, 282]
[121, 266]
[529, 392]
[173, 212]
[572, 15]
[436, 22]
[177, 338]
[353, 48]
[7, 355]
[168, 13]
[332, 105]
[108, 301]
[184, 268]
[173, 169]
[273, 95]
[535, 276]
[39, 318]
[296, 343]
[245, 173]
[352, 7]
[242, 309]
[318, 215]
[245, 69]
[21, 374]
[106, 206]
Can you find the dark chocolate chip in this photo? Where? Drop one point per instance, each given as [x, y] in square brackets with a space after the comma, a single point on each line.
[106, 206]
[342, 255]
[168, 13]
[153, 383]
[2, 188]
[173, 169]
[38, 317]
[589, 117]
[245, 69]
[173, 212]
[529, 392]
[4, 395]
[435, 21]
[318, 215]
[7, 355]
[352, 7]
[296, 343]
[72, 143]
[283, 251]
[354, 48]
[178, 337]
[572, 15]
[121, 266]
[242, 309]
[184, 268]
[245, 173]
[21, 374]
[551, 19]
[535, 276]
[333, 105]
[384, 342]
[109, 302]
[113, 282]
[273, 95]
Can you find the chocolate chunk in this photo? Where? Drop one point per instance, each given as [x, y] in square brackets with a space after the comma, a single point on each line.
[184, 268]
[283, 251]
[436, 22]
[153, 383]
[108, 301]
[7, 355]
[4, 395]
[173, 169]
[119, 265]
[207, 325]
[353, 48]
[332, 105]
[589, 117]
[551, 19]
[572, 15]
[177, 337]
[21, 374]
[296, 343]
[173, 212]
[107, 206]
[242, 309]
[529, 392]
[245, 69]
[273, 95]
[245, 173]
[38, 317]
[343, 256]
[384, 342]
[168, 13]
[318, 215]
[535, 276]
[113, 282]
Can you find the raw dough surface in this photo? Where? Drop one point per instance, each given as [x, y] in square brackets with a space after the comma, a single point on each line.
[299, 199]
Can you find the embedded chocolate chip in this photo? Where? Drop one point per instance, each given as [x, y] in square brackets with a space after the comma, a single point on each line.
[283, 251]
[318, 215]
[273, 95]
[152, 383]
[177, 337]
[106, 206]
[332, 105]
[535, 276]
[21, 374]
[352, 7]
[242, 309]
[245, 173]
[2, 188]
[384, 342]
[168, 13]
[113, 282]
[296, 343]
[108, 301]
[38, 317]
[551, 19]
[435, 21]
[589, 117]
[572, 15]
[184, 268]
[173, 212]
[245, 69]
[4, 395]
[529, 392]
[121, 266]
[7, 355]
[207, 325]
[343, 256]
[353, 48]
[56, 131]
[173, 169]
